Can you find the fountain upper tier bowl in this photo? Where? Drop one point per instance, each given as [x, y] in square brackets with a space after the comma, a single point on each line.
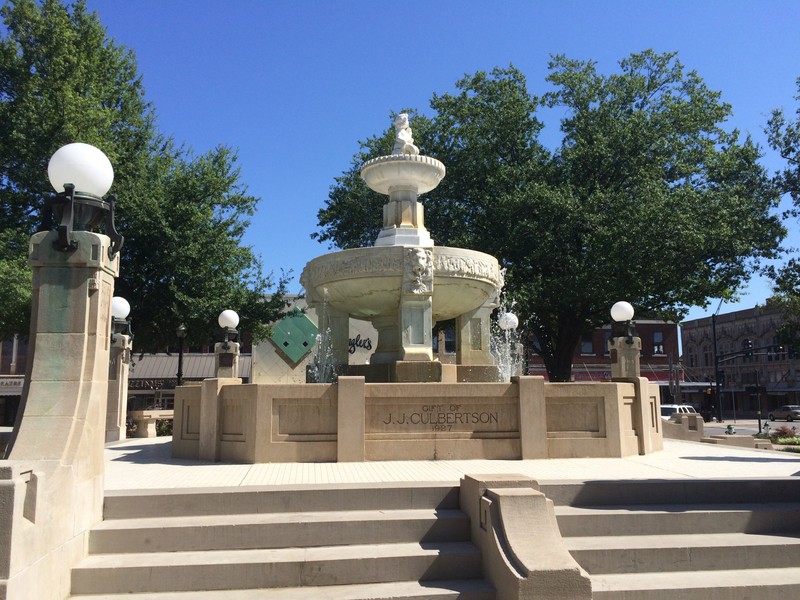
[368, 282]
[385, 173]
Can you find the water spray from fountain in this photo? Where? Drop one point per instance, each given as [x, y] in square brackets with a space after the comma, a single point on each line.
[504, 343]
[323, 366]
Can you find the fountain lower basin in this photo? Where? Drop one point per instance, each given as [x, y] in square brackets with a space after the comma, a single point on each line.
[365, 283]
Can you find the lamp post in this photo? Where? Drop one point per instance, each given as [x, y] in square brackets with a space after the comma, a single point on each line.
[625, 341]
[60, 428]
[228, 320]
[717, 374]
[120, 324]
[120, 352]
[227, 352]
[81, 175]
[622, 314]
[180, 332]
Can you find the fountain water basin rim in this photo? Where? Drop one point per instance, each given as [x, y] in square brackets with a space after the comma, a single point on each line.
[369, 282]
[385, 173]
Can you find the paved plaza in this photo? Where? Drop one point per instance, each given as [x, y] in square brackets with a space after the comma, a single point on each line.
[147, 464]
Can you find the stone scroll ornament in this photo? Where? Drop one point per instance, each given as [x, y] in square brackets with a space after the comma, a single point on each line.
[404, 144]
[419, 271]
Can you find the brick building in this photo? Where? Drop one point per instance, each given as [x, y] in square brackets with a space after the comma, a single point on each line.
[767, 379]
[592, 362]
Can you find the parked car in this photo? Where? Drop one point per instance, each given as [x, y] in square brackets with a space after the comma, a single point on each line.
[790, 412]
[667, 410]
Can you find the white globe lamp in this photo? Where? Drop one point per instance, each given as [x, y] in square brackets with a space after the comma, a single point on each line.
[81, 175]
[622, 311]
[83, 166]
[228, 319]
[120, 308]
[508, 320]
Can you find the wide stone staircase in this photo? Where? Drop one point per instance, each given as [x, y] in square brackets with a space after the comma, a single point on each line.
[330, 542]
[726, 539]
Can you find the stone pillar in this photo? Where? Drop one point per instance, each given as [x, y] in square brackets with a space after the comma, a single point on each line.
[473, 332]
[532, 417]
[351, 420]
[416, 305]
[14, 348]
[389, 340]
[226, 360]
[627, 351]
[117, 405]
[403, 220]
[55, 465]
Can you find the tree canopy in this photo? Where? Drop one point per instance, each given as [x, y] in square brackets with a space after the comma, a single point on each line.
[183, 216]
[648, 198]
[784, 137]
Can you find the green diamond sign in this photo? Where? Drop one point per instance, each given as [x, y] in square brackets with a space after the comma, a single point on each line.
[294, 335]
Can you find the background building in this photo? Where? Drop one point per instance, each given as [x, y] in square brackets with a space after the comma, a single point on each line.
[755, 371]
[591, 360]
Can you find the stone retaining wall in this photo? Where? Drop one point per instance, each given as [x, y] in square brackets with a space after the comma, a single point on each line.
[355, 421]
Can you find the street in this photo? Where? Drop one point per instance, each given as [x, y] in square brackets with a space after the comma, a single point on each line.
[744, 426]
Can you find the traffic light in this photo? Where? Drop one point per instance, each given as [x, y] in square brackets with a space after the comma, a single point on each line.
[748, 348]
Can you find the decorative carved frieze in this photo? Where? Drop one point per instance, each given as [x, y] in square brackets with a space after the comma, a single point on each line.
[334, 267]
[472, 266]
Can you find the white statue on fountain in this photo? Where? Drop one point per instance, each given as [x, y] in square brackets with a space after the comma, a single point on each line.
[405, 140]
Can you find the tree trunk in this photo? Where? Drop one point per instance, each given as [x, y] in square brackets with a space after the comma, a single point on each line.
[559, 361]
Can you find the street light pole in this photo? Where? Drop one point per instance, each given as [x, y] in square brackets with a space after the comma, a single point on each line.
[181, 333]
[716, 363]
[758, 399]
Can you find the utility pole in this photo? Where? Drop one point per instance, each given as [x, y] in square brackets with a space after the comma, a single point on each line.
[716, 363]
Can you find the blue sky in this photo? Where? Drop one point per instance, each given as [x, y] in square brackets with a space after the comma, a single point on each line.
[295, 84]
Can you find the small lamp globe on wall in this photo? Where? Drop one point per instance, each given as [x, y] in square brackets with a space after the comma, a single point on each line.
[81, 175]
[228, 320]
[227, 352]
[120, 323]
[508, 321]
[622, 314]
[625, 363]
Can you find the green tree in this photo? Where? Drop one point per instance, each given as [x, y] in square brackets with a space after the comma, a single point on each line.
[60, 81]
[784, 137]
[183, 259]
[63, 80]
[647, 199]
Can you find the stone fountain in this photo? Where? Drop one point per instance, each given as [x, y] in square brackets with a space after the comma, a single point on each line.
[405, 284]
[388, 410]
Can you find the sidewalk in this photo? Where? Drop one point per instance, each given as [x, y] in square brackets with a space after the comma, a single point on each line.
[146, 463]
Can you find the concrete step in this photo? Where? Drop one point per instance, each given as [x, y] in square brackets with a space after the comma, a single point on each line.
[634, 492]
[472, 589]
[275, 530]
[689, 552]
[678, 519]
[738, 584]
[129, 504]
[274, 568]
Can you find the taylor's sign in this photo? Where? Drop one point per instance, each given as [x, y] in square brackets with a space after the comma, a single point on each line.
[360, 343]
